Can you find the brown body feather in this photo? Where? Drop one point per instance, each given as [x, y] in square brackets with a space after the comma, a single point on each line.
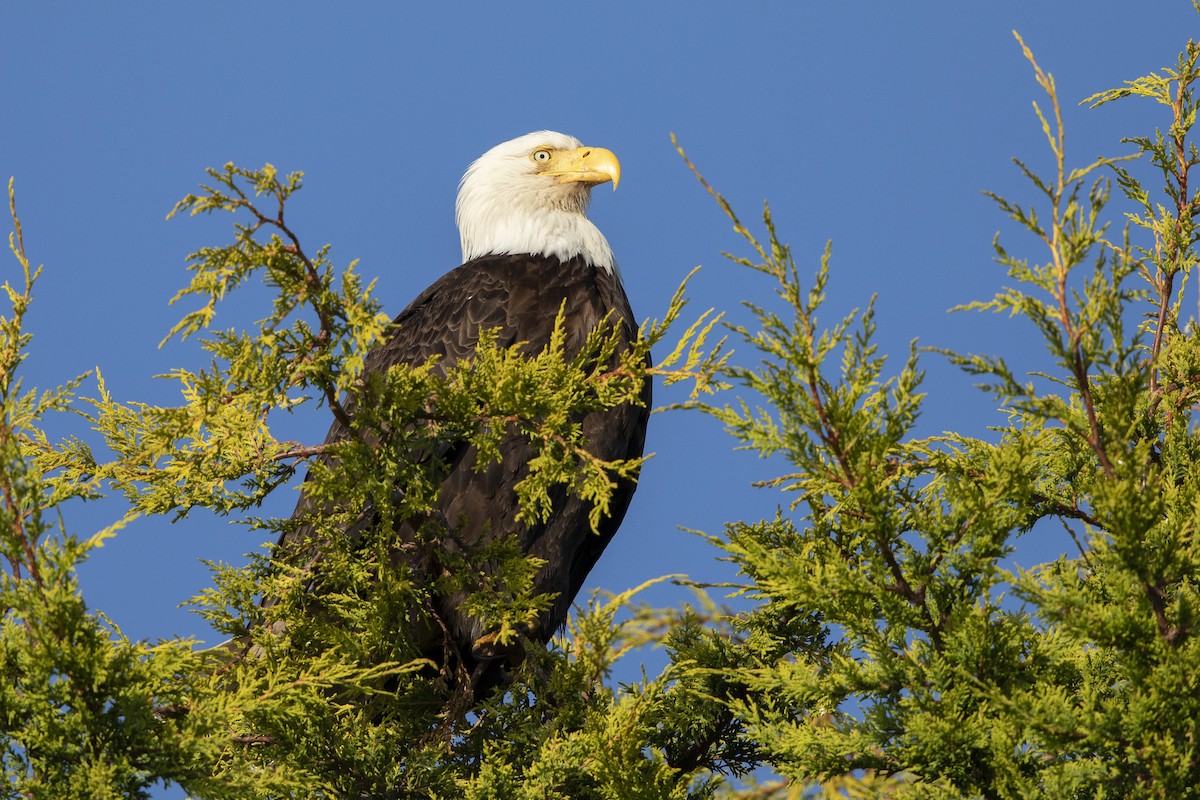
[519, 297]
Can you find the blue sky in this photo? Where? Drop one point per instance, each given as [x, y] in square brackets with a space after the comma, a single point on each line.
[876, 126]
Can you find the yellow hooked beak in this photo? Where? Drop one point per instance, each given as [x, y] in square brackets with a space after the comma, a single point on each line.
[592, 165]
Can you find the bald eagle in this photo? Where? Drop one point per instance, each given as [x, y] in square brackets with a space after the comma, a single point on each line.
[529, 251]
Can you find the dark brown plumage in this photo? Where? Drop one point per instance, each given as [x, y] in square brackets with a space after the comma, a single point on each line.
[518, 296]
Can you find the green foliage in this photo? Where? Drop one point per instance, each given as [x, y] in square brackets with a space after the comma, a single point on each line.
[329, 690]
[933, 667]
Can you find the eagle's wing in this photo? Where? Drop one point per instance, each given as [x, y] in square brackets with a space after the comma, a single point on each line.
[519, 297]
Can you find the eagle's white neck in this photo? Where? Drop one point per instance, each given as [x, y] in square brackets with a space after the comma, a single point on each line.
[503, 209]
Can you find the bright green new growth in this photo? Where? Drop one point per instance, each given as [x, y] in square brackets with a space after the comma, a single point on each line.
[889, 647]
[928, 658]
[345, 703]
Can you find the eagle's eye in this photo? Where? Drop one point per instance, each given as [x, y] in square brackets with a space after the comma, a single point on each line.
[541, 156]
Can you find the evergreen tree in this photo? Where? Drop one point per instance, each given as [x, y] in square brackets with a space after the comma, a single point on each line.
[893, 649]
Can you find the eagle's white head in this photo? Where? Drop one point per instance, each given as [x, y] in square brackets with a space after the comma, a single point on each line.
[530, 195]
